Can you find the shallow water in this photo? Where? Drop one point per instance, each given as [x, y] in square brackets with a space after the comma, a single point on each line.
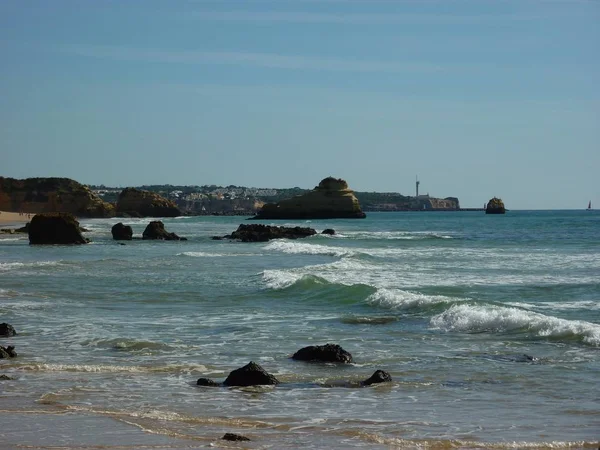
[113, 338]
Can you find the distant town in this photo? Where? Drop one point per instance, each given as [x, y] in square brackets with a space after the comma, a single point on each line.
[213, 199]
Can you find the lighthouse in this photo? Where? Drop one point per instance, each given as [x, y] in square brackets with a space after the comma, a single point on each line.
[417, 185]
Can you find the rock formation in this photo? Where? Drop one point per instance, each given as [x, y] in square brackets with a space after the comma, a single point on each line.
[207, 382]
[380, 376]
[329, 231]
[156, 230]
[263, 233]
[495, 206]
[55, 228]
[234, 437]
[331, 199]
[250, 375]
[324, 353]
[37, 195]
[121, 232]
[7, 352]
[138, 203]
[7, 330]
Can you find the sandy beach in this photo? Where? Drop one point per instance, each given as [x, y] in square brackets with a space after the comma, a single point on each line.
[12, 218]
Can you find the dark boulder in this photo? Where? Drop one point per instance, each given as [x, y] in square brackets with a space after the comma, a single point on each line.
[325, 353]
[263, 233]
[250, 375]
[121, 232]
[5, 378]
[156, 230]
[55, 228]
[206, 382]
[234, 437]
[380, 376]
[7, 352]
[495, 206]
[329, 231]
[7, 330]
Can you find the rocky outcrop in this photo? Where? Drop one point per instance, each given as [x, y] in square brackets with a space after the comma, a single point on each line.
[156, 230]
[138, 203]
[329, 231]
[495, 206]
[324, 353]
[121, 232]
[250, 375]
[7, 352]
[263, 233]
[207, 382]
[37, 195]
[380, 376]
[7, 330]
[55, 228]
[331, 199]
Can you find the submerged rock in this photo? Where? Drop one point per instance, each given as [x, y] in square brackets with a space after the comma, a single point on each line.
[7, 330]
[324, 353]
[5, 378]
[207, 382]
[121, 232]
[329, 231]
[331, 199]
[380, 376]
[156, 230]
[250, 375]
[55, 228]
[7, 352]
[495, 206]
[263, 233]
[234, 437]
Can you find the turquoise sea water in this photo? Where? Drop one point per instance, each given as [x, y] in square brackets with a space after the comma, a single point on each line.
[112, 338]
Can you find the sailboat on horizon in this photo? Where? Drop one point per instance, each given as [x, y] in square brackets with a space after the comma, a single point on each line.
[589, 208]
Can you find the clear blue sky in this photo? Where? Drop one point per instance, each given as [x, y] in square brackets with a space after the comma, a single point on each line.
[479, 98]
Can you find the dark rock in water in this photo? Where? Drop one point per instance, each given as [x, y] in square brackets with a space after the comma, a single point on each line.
[7, 352]
[325, 353]
[6, 330]
[218, 238]
[380, 376]
[156, 230]
[5, 378]
[495, 206]
[206, 382]
[121, 232]
[263, 233]
[250, 375]
[55, 228]
[234, 437]
[329, 231]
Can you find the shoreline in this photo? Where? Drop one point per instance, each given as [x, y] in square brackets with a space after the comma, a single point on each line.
[13, 218]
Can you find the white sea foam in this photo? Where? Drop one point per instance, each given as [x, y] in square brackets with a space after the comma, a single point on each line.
[105, 368]
[280, 279]
[295, 247]
[474, 319]
[202, 254]
[399, 299]
[6, 266]
[397, 235]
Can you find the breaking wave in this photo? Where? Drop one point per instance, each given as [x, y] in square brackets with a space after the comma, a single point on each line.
[479, 319]
[400, 299]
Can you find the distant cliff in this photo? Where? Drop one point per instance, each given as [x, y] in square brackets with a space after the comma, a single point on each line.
[36, 195]
[331, 199]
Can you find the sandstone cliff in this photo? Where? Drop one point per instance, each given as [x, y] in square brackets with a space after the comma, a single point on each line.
[331, 199]
[37, 195]
[138, 203]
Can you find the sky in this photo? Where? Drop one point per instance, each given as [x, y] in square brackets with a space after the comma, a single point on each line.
[478, 98]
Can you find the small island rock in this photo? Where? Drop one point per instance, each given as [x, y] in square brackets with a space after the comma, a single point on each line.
[55, 228]
[331, 199]
[139, 203]
[329, 231]
[250, 375]
[234, 437]
[206, 382]
[121, 232]
[495, 206]
[324, 353]
[7, 330]
[156, 230]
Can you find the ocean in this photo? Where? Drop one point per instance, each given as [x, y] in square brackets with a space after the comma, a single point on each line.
[488, 325]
